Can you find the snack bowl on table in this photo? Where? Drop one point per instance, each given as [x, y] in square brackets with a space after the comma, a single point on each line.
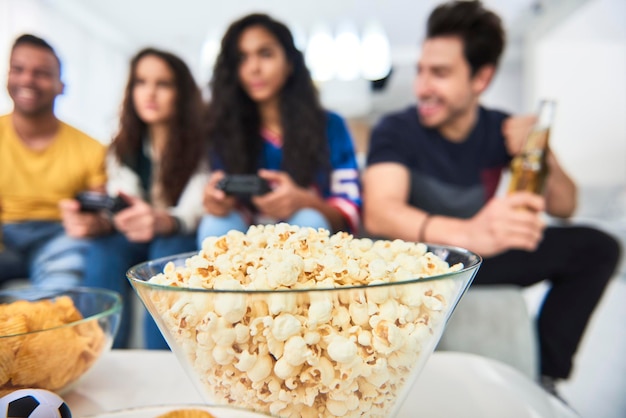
[295, 322]
[181, 411]
[49, 338]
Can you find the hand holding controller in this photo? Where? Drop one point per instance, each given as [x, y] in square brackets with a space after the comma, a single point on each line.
[95, 202]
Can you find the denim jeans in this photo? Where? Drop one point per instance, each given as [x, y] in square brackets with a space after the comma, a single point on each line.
[42, 251]
[110, 257]
[12, 266]
[215, 226]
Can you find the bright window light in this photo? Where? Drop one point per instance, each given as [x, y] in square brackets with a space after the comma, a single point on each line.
[299, 37]
[320, 54]
[375, 53]
[347, 48]
[208, 55]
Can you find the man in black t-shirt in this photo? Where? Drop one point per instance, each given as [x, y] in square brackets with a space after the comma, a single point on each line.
[433, 171]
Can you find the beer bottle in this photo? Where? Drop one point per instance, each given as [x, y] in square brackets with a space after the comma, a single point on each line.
[529, 168]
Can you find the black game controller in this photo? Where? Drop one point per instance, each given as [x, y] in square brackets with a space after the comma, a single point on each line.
[244, 185]
[96, 201]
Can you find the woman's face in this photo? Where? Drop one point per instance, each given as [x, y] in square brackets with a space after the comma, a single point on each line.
[154, 90]
[263, 65]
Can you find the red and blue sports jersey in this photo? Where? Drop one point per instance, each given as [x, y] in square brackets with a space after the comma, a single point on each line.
[341, 187]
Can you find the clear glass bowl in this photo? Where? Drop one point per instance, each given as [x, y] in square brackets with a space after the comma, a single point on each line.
[37, 351]
[240, 347]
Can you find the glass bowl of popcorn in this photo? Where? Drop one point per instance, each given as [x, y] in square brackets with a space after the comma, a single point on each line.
[296, 322]
[50, 338]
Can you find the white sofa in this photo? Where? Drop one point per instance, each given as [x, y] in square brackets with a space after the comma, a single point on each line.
[494, 321]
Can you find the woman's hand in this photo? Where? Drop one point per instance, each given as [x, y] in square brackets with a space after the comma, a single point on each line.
[285, 198]
[79, 224]
[215, 201]
[138, 221]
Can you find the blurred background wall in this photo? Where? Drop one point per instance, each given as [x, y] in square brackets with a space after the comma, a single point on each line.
[571, 50]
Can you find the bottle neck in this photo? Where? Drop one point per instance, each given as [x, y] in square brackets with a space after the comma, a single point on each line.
[545, 115]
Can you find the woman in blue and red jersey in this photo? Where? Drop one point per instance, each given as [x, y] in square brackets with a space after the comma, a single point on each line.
[265, 118]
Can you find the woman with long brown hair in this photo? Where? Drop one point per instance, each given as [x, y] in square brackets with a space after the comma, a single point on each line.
[156, 164]
[265, 119]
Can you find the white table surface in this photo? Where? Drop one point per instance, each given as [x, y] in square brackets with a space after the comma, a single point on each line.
[451, 385]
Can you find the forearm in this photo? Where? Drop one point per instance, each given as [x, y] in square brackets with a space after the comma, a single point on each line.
[391, 221]
[412, 224]
[561, 191]
[447, 231]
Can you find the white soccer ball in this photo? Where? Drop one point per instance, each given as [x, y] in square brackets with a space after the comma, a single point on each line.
[33, 403]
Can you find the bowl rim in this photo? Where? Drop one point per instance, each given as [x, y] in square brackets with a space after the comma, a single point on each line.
[49, 293]
[164, 408]
[135, 280]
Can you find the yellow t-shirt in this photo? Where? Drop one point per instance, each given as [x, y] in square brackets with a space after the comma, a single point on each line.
[33, 182]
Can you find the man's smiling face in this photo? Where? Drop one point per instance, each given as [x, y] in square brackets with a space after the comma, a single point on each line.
[34, 80]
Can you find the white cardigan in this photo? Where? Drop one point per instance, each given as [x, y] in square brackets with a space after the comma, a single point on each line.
[189, 209]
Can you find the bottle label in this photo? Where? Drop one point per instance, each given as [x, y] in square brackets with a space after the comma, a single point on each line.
[529, 170]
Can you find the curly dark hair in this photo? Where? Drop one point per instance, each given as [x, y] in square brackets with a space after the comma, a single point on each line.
[234, 120]
[480, 30]
[185, 146]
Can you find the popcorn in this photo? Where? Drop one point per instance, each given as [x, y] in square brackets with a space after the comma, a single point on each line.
[296, 351]
[285, 326]
[342, 350]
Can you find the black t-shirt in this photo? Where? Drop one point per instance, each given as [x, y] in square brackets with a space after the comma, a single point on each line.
[447, 178]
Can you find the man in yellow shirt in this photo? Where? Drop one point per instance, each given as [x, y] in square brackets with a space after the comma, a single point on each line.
[44, 163]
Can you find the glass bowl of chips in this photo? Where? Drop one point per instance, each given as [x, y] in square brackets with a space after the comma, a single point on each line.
[295, 322]
[50, 338]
